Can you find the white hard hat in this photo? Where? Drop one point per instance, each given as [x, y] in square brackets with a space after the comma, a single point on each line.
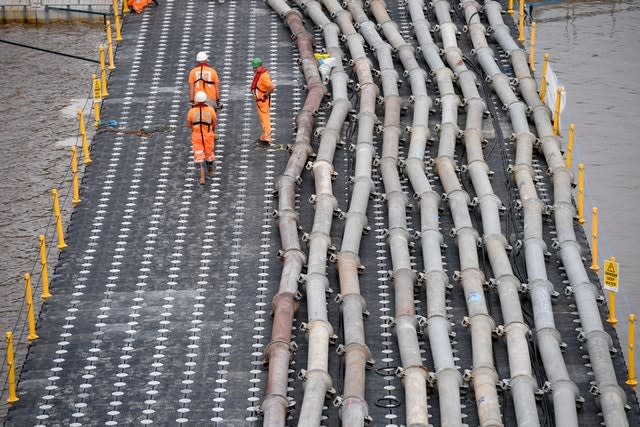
[201, 96]
[202, 56]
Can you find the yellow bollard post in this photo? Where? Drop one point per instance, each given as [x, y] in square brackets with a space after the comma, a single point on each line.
[612, 308]
[97, 95]
[556, 111]
[13, 398]
[74, 171]
[116, 14]
[103, 72]
[56, 211]
[510, 7]
[125, 6]
[85, 143]
[45, 269]
[581, 193]
[96, 109]
[543, 83]
[521, 22]
[572, 132]
[31, 315]
[631, 379]
[532, 47]
[594, 240]
[110, 46]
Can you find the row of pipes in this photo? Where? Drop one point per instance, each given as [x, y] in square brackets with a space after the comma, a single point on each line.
[413, 373]
[356, 28]
[285, 303]
[612, 398]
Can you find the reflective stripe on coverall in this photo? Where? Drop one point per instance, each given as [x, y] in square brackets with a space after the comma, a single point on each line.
[204, 78]
[263, 104]
[202, 119]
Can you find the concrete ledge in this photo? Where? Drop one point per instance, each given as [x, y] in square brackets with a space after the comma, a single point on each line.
[47, 11]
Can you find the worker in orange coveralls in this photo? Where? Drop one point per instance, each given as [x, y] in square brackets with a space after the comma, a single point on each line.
[202, 121]
[139, 5]
[204, 77]
[262, 87]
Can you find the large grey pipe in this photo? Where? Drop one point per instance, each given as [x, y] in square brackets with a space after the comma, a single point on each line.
[414, 374]
[523, 385]
[564, 390]
[317, 376]
[353, 406]
[484, 374]
[278, 352]
[611, 395]
[447, 374]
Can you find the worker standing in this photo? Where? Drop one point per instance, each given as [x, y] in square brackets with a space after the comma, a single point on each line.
[262, 87]
[204, 77]
[202, 121]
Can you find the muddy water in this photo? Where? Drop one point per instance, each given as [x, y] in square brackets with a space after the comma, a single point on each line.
[39, 96]
[595, 51]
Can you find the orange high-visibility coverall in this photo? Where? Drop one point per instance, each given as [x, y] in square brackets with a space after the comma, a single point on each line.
[204, 78]
[138, 5]
[202, 120]
[262, 95]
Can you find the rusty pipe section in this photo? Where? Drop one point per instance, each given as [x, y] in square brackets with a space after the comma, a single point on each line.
[318, 381]
[540, 288]
[523, 384]
[413, 373]
[278, 352]
[611, 396]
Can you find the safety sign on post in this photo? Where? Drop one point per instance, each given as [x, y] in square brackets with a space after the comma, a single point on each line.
[611, 274]
[97, 90]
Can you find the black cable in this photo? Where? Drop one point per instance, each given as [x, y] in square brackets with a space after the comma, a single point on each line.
[68, 55]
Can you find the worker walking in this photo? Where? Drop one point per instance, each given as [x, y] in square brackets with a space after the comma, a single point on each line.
[202, 121]
[204, 77]
[262, 87]
[139, 5]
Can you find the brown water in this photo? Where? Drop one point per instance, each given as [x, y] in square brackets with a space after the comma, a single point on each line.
[39, 95]
[595, 51]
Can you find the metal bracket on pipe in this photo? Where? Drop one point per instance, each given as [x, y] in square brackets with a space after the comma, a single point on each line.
[338, 402]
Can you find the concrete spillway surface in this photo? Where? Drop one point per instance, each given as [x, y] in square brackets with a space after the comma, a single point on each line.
[162, 302]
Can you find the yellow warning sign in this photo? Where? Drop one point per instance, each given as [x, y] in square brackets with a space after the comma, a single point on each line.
[97, 92]
[611, 274]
